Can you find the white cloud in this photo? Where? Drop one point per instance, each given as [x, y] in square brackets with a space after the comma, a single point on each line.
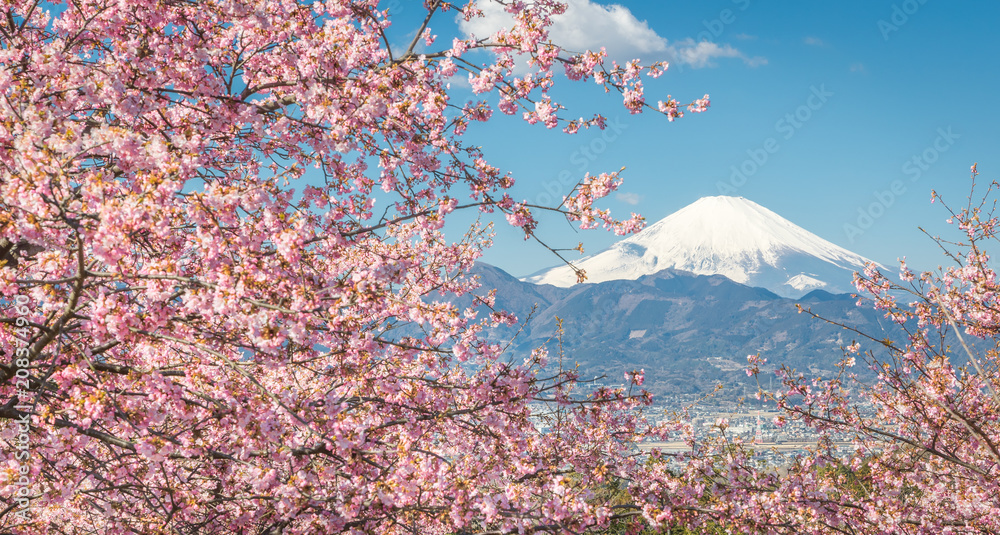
[587, 25]
[858, 67]
[701, 54]
[584, 26]
[628, 198]
[814, 41]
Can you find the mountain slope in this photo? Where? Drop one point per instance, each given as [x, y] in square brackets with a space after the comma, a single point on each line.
[729, 236]
[687, 331]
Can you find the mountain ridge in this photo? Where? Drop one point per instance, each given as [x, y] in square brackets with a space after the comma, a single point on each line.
[687, 331]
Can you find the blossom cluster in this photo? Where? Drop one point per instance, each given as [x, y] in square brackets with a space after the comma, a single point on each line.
[245, 299]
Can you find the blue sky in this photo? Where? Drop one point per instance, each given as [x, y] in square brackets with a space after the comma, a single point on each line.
[840, 116]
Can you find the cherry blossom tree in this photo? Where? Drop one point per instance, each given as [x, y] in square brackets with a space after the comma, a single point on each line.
[225, 280]
[924, 452]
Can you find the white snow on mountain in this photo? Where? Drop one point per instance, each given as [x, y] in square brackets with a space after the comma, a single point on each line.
[805, 282]
[722, 235]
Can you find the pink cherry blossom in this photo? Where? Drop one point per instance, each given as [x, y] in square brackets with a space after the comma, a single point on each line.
[240, 296]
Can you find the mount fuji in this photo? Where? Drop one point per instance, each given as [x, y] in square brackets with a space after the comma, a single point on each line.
[730, 236]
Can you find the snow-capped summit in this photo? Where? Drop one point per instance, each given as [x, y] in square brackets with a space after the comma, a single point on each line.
[722, 235]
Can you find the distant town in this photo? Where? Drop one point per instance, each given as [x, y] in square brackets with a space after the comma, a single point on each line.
[748, 421]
